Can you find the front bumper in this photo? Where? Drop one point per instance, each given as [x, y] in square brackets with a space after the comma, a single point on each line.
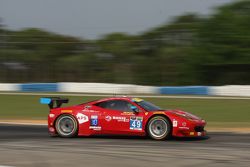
[193, 133]
[194, 128]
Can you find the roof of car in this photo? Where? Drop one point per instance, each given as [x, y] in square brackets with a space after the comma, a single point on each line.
[119, 98]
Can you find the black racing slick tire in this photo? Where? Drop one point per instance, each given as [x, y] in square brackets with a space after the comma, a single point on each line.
[66, 126]
[159, 128]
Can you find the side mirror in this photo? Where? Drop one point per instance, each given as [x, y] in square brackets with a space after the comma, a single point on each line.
[134, 108]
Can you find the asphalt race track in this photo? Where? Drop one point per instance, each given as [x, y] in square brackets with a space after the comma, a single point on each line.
[26, 146]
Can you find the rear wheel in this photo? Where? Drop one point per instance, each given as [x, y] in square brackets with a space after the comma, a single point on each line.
[66, 126]
[159, 128]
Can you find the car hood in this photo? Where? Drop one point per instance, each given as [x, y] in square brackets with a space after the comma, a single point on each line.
[183, 114]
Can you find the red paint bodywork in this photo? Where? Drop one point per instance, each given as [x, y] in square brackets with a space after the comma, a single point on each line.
[181, 126]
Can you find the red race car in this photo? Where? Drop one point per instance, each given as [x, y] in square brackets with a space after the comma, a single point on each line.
[120, 116]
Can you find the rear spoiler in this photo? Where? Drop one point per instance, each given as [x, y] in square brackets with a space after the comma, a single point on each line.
[53, 102]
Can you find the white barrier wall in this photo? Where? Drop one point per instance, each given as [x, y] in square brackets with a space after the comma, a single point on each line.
[230, 90]
[138, 89]
[105, 88]
[9, 87]
[124, 89]
[93, 87]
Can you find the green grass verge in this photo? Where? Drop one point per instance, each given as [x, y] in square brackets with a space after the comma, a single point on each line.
[217, 112]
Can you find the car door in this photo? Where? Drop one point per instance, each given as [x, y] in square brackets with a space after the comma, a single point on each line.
[119, 118]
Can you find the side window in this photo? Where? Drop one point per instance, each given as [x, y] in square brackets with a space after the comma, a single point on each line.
[102, 104]
[120, 105]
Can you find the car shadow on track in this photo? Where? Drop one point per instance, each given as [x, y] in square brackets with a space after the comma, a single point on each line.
[189, 138]
[142, 138]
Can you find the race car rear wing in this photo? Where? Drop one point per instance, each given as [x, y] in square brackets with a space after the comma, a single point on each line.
[53, 102]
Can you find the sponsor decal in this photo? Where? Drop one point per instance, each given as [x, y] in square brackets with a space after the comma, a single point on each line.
[120, 119]
[199, 133]
[127, 113]
[186, 128]
[93, 120]
[94, 116]
[88, 110]
[95, 127]
[159, 112]
[135, 123]
[87, 106]
[146, 113]
[51, 129]
[66, 111]
[51, 115]
[175, 123]
[82, 118]
[108, 118]
[184, 124]
[191, 133]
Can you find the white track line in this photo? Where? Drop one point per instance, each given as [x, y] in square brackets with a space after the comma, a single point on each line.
[107, 95]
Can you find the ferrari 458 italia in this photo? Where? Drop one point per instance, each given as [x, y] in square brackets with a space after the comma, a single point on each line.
[120, 116]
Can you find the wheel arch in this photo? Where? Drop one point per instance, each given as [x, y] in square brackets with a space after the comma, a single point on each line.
[155, 115]
[69, 114]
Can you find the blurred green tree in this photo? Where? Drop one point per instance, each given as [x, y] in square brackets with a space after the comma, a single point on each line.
[189, 50]
[223, 52]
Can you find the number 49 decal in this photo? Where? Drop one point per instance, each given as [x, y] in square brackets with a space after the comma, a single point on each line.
[135, 123]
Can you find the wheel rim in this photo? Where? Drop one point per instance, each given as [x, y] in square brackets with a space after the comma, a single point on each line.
[66, 125]
[158, 128]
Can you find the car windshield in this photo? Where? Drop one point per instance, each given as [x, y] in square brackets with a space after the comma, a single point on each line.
[148, 106]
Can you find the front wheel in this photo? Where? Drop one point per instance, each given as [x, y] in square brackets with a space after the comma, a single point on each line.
[159, 128]
[66, 126]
